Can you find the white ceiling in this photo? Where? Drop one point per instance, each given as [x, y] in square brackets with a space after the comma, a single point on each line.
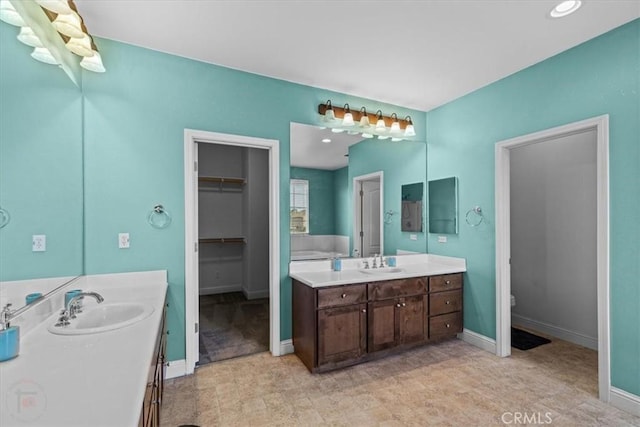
[417, 54]
[308, 150]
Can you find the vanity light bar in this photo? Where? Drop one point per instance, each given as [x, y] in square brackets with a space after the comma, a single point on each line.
[339, 113]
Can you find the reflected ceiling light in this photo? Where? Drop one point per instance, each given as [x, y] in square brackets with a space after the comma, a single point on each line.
[380, 124]
[394, 139]
[93, 63]
[409, 130]
[383, 137]
[347, 119]
[329, 114]
[28, 37]
[56, 6]
[337, 130]
[364, 118]
[10, 15]
[69, 24]
[326, 140]
[43, 54]
[565, 8]
[81, 46]
[395, 125]
[367, 135]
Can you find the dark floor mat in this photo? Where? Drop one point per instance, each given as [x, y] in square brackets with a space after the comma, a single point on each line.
[232, 326]
[523, 340]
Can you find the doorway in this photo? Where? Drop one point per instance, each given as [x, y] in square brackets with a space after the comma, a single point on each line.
[194, 241]
[504, 235]
[368, 205]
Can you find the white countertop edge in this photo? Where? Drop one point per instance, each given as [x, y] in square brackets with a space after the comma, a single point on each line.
[319, 274]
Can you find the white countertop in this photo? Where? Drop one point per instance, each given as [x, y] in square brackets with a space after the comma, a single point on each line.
[317, 274]
[85, 380]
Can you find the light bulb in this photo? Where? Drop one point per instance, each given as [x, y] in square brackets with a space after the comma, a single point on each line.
[28, 37]
[364, 121]
[381, 126]
[409, 131]
[93, 63]
[347, 120]
[69, 25]
[10, 15]
[56, 6]
[395, 128]
[80, 45]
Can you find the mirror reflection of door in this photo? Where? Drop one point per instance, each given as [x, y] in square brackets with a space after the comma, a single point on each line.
[369, 215]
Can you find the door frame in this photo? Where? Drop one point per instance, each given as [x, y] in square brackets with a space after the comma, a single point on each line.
[503, 237]
[191, 295]
[357, 207]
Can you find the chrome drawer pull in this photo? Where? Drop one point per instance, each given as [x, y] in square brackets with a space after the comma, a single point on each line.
[448, 302]
[447, 282]
[364, 310]
[448, 325]
[344, 295]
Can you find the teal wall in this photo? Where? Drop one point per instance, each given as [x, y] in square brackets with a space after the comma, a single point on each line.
[401, 163]
[601, 76]
[135, 116]
[321, 199]
[40, 164]
[343, 203]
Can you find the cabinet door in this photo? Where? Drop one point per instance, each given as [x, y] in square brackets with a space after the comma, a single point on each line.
[383, 327]
[412, 317]
[342, 333]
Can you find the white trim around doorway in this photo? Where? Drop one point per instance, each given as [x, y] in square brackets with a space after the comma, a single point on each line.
[374, 176]
[503, 238]
[191, 139]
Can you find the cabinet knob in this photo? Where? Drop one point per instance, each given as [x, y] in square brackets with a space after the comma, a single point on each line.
[448, 325]
[404, 304]
[398, 305]
[344, 295]
[364, 310]
[447, 282]
[448, 302]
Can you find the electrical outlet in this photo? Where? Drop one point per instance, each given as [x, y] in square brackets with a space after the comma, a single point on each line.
[123, 240]
[413, 237]
[39, 243]
[442, 239]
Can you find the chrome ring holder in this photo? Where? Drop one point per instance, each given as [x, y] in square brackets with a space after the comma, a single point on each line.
[474, 216]
[159, 218]
[4, 217]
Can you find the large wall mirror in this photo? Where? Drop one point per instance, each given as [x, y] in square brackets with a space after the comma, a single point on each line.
[326, 215]
[41, 172]
[443, 206]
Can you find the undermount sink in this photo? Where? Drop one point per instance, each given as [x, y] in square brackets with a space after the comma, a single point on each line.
[383, 270]
[103, 318]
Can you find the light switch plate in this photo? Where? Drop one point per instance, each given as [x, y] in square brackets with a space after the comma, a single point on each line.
[442, 239]
[123, 240]
[39, 243]
[413, 236]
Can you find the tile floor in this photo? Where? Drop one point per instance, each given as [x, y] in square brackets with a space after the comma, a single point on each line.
[446, 384]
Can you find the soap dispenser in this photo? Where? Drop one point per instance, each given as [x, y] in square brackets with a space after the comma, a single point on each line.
[9, 335]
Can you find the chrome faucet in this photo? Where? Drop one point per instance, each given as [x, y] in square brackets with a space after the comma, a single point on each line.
[375, 265]
[70, 311]
[381, 261]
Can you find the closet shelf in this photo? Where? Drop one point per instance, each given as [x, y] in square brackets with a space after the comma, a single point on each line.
[223, 240]
[222, 180]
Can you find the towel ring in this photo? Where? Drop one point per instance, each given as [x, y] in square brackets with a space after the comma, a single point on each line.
[4, 217]
[477, 213]
[158, 217]
[388, 216]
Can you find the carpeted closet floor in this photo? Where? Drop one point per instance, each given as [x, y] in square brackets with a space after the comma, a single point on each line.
[232, 326]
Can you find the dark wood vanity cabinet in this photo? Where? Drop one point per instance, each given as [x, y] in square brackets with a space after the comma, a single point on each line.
[343, 325]
[150, 414]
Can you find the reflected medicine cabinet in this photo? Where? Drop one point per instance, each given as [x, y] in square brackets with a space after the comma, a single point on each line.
[443, 206]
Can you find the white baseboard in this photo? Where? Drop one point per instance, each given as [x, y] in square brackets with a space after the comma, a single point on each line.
[176, 368]
[256, 294]
[286, 347]
[480, 341]
[626, 401]
[211, 290]
[555, 331]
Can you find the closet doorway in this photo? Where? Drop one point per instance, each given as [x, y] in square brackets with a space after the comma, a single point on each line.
[540, 219]
[231, 280]
[367, 218]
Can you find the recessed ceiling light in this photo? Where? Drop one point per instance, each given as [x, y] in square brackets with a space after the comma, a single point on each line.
[326, 140]
[565, 8]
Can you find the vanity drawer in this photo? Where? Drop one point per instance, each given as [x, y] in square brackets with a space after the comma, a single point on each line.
[445, 302]
[445, 324]
[445, 282]
[398, 288]
[342, 295]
